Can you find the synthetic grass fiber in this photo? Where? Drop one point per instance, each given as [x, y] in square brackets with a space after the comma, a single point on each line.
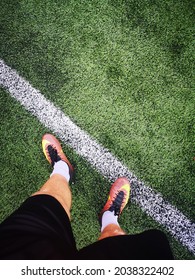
[123, 71]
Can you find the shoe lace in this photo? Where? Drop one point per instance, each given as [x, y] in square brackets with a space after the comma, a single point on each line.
[117, 203]
[52, 152]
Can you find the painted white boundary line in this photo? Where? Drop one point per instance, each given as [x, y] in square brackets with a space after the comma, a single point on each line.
[100, 158]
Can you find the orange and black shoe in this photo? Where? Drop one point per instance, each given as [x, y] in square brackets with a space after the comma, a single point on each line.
[54, 153]
[118, 197]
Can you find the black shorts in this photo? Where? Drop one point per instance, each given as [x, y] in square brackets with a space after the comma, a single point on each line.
[40, 229]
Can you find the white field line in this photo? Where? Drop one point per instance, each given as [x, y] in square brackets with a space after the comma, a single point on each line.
[100, 158]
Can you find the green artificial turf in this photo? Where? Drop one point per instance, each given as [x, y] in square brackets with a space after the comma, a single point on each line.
[123, 71]
[24, 169]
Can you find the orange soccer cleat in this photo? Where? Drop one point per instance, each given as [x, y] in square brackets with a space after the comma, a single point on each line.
[118, 197]
[53, 151]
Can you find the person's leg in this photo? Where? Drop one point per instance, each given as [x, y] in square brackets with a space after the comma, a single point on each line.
[58, 187]
[40, 228]
[117, 200]
[114, 243]
[111, 230]
[58, 184]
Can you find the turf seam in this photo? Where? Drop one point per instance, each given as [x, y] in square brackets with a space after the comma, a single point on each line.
[99, 157]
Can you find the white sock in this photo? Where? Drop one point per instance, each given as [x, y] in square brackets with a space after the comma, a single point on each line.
[108, 218]
[61, 167]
